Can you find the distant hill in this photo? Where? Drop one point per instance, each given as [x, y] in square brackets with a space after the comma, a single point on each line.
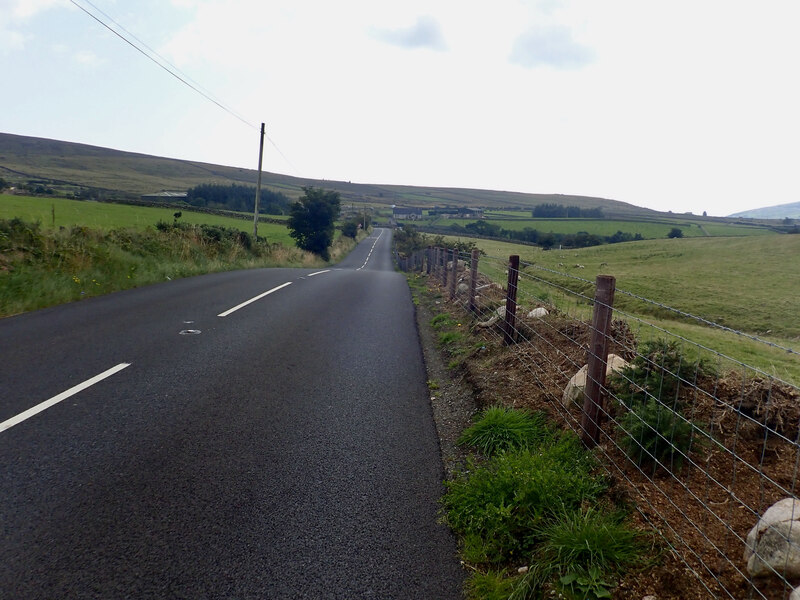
[67, 166]
[781, 211]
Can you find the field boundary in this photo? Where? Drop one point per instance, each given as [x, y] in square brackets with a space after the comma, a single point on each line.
[703, 446]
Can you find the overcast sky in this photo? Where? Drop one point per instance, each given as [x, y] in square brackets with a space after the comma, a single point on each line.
[682, 105]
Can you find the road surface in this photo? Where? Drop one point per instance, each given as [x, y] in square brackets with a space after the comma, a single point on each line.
[252, 434]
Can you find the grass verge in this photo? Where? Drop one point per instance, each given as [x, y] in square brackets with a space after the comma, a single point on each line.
[40, 268]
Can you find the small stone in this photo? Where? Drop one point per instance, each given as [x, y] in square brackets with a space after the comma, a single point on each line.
[522, 570]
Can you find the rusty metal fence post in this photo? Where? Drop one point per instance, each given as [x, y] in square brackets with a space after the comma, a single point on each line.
[509, 329]
[605, 285]
[473, 279]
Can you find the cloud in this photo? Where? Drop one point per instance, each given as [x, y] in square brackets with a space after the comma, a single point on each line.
[88, 58]
[549, 46]
[24, 9]
[425, 33]
[13, 13]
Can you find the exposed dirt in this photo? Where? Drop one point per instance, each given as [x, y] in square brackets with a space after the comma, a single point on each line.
[703, 510]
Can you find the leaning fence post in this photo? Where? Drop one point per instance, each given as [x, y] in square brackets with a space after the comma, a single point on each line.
[428, 252]
[473, 279]
[509, 330]
[454, 280]
[597, 358]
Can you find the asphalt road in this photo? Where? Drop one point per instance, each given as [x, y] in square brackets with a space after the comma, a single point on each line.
[284, 450]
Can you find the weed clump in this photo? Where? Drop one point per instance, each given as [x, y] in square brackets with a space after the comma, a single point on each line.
[500, 429]
[499, 506]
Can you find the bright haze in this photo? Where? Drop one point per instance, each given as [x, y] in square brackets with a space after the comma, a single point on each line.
[687, 105]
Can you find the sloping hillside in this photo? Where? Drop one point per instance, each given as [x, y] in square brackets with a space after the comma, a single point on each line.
[781, 211]
[128, 174]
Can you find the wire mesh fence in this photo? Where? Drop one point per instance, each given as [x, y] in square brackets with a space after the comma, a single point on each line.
[704, 444]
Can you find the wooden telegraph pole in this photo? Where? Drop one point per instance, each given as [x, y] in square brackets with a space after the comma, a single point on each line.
[258, 185]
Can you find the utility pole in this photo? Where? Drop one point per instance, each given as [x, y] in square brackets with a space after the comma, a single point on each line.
[258, 185]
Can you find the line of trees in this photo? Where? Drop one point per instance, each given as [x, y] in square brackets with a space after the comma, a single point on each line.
[559, 211]
[582, 239]
[238, 197]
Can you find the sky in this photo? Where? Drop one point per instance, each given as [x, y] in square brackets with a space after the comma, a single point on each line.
[682, 105]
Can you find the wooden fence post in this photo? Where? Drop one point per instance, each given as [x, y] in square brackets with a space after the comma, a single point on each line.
[443, 258]
[509, 329]
[473, 279]
[597, 357]
[428, 253]
[454, 279]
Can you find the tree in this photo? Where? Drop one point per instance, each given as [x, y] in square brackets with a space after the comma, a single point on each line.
[311, 220]
[675, 232]
[350, 229]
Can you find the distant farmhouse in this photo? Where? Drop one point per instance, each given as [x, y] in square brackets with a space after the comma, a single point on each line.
[406, 213]
[164, 196]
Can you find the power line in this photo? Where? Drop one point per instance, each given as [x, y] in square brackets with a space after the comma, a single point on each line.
[170, 68]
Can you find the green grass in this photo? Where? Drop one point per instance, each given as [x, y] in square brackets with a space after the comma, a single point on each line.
[747, 284]
[499, 429]
[105, 216]
[40, 268]
[648, 228]
[499, 506]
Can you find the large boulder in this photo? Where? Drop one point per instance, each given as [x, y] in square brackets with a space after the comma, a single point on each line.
[773, 544]
[576, 386]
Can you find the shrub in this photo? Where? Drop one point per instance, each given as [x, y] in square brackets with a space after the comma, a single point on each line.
[657, 371]
[652, 433]
[501, 429]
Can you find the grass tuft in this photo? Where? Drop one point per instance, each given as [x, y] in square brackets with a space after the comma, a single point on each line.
[500, 429]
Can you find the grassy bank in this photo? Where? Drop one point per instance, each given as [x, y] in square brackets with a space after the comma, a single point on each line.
[40, 268]
[53, 213]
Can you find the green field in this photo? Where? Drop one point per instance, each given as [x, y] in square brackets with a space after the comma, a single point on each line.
[649, 229]
[747, 284]
[105, 216]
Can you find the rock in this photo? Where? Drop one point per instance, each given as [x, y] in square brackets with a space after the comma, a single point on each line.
[774, 542]
[462, 288]
[522, 570]
[650, 598]
[501, 312]
[795, 595]
[489, 323]
[574, 390]
[538, 313]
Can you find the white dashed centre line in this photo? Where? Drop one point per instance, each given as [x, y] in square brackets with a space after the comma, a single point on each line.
[35, 410]
[370, 251]
[246, 302]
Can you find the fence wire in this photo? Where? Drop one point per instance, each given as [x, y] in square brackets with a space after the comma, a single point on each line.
[703, 444]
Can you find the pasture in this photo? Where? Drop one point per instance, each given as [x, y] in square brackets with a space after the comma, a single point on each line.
[744, 283]
[62, 212]
[647, 228]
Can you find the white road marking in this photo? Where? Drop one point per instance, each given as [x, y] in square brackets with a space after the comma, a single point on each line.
[319, 273]
[62, 396]
[243, 304]
[370, 251]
